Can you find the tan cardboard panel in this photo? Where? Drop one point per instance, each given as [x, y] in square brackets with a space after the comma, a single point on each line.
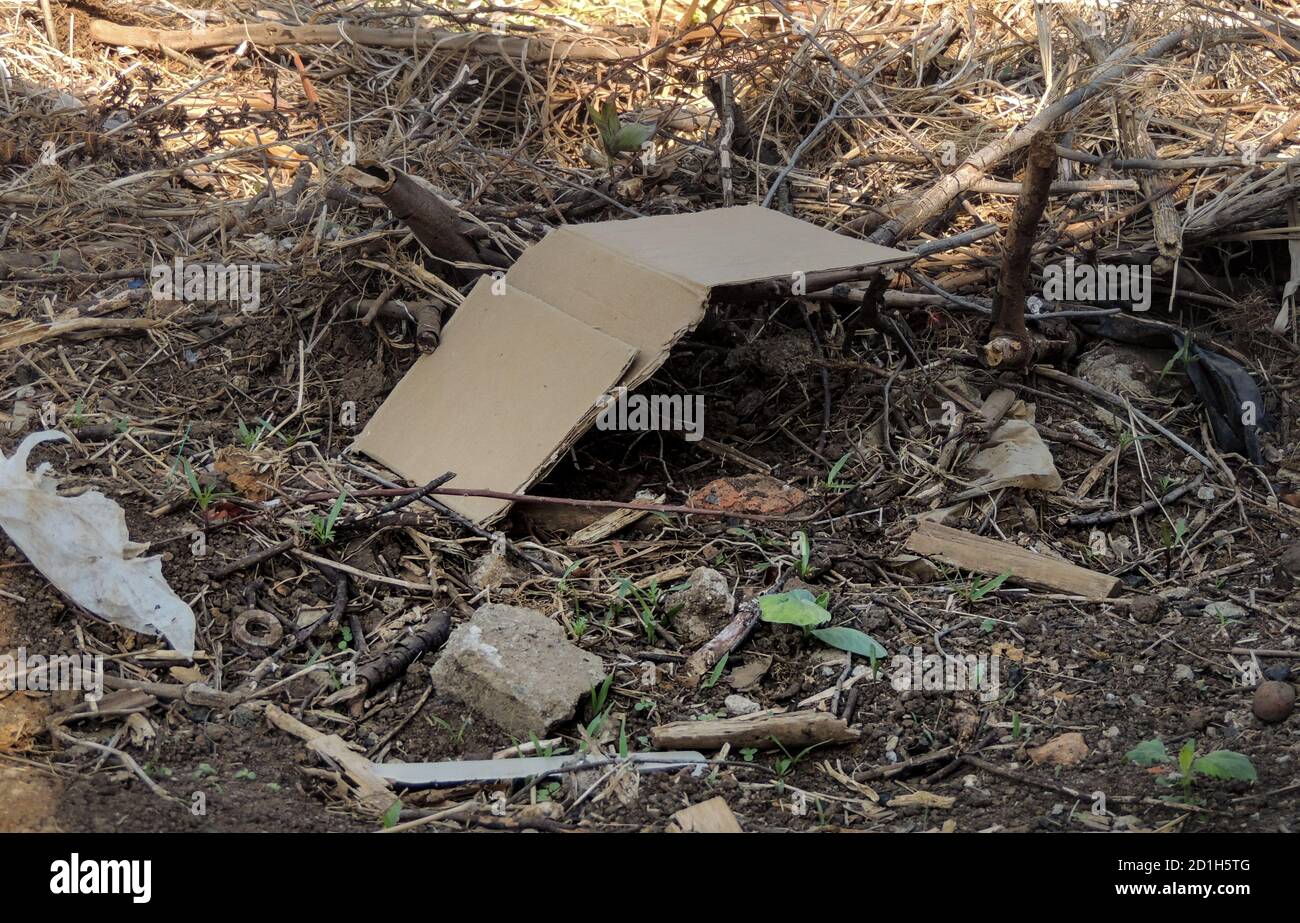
[512, 381]
[614, 294]
[728, 246]
[517, 376]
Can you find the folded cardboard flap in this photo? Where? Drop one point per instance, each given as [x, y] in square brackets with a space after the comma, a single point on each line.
[524, 362]
[511, 381]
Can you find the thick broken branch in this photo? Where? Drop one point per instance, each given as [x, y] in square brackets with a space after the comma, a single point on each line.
[1009, 346]
[398, 656]
[434, 223]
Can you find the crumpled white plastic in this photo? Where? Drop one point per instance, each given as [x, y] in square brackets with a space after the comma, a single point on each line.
[80, 544]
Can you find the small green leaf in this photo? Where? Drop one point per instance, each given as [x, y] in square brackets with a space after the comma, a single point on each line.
[631, 136]
[989, 586]
[794, 608]
[851, 640]
[1226, 764]
[1185, 756]
[836, 469]
[390, 817]
[716, 673]
[1148, 753]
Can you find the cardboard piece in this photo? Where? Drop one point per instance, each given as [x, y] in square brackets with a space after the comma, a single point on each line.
[525, 361]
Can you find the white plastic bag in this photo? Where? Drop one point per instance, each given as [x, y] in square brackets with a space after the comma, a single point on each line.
[82, 547]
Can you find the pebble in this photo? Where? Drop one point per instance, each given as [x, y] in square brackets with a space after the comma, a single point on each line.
[738, 705]
[1225, 610]
[1274, 701]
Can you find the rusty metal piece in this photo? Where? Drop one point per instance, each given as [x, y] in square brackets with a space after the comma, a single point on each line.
[257, 631]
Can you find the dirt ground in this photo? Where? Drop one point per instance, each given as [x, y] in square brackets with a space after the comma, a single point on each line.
[1116, 675]
[222, 433]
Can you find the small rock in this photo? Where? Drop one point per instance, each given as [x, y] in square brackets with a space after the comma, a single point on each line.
[514, 666]
[703, 607]
[494, 570]
[1205, 492]
[1224, 610]
[738, 705]
[1063, 750]
[1183, 672]
[1287, 571]
[1274, 701]
[1146, 609]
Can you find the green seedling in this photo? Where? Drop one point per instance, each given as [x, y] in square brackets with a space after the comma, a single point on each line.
[832, 477]
[77, 419]
[1172, 538]
[249, 438]
[716, 673]
[616, 137]
[547, 750]
[1182, 358]
[563, 585]
[1217, 764]
[788, 761]
[981, 588]
[246, 774]
[457, 736]
[203, 494]
[389, 820]
[643, 603]
[291, 440]
[798, 607]
[599, 706]
[322, 527]
[579, 627]
[600, 695]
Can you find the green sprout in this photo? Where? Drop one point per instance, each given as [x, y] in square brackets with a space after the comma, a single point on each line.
[617, 137]
[322, 527]
[1217, 764]
[203, 494]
